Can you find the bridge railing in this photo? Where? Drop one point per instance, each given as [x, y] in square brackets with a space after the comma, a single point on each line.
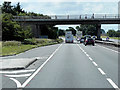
[86, 16]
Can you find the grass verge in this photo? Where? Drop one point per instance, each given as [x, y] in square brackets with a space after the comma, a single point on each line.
[15, 47]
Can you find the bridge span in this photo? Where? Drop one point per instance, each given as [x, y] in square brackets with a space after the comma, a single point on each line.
[36, 21]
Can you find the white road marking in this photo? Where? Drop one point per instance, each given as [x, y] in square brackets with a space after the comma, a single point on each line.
[101, 71]
[17, 82]
[18, 71]
[21, 75]
[108, 48]
[87, 55]
[85, 52]
[40, 57]
[95, 63]
[113, 84]
[90, 58]
[36, 72]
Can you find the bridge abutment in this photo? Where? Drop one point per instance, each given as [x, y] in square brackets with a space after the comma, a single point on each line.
[38, 31]
[35, 28]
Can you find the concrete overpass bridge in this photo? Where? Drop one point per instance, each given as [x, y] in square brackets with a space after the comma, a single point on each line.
[37, 21]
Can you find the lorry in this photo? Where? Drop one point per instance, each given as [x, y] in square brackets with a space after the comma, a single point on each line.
[69, 37]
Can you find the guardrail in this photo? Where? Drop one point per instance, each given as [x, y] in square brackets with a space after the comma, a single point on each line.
[108, 43]
[82, 16]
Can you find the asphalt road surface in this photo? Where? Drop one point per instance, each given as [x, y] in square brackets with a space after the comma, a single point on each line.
[67, 66]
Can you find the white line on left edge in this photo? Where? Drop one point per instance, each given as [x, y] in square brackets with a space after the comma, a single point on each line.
[36, 72]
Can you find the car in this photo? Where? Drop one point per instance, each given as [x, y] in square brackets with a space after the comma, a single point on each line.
[87, 36]
[82, 40]
[94, 37]
[89, 41]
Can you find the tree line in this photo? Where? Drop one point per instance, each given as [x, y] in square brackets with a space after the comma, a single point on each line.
[86, 30]
[113, 33]
[12, 30]
[90, 30]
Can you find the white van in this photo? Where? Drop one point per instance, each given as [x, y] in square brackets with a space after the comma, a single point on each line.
[69, 37]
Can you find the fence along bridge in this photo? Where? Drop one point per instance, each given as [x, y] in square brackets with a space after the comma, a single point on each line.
[36, 21]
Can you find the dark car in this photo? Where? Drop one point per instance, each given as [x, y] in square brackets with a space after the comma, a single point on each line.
[89, 41]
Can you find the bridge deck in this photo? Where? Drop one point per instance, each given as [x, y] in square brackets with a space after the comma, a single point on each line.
[71, 19]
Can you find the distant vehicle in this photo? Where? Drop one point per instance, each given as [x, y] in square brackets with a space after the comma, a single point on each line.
[94, 37]
[89, 41]
[87, 36]
[107, 39]
[79, 35]
[82, 40]
[68, 37]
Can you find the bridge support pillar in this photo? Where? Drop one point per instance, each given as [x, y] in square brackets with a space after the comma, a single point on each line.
[98, 31]
[38, 31]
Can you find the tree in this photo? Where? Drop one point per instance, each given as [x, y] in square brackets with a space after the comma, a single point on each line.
[61, 32]
[111, 33]
[17, 9]
[88, 29]
[118, 33]
[12, 30]
[7, 8]
[72, 29]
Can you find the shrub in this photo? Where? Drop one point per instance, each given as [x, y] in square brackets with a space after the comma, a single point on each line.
[11, 43]
[30, 41]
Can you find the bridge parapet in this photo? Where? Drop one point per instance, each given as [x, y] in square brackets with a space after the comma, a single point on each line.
[86, 16]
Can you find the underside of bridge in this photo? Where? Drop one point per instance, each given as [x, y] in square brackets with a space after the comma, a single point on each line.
[37, 29]
[36, 24]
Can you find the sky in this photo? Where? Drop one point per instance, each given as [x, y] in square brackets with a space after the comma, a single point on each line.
[71, 7]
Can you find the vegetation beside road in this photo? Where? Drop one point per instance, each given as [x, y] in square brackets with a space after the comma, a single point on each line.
[117, 38]
[16, 47]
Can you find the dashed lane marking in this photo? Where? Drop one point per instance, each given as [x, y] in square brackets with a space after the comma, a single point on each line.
[95, 63]
[101, 71]
[90, 58]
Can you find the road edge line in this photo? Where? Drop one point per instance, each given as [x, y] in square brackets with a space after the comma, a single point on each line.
[37, 71]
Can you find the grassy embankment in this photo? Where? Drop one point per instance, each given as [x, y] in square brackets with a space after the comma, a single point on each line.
[15, 47]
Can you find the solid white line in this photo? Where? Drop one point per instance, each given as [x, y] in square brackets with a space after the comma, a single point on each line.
[17, 82]
[40, 57]
[18, 71]
[87, 55]
[101, 71]
[36, 72]
[108, 48]
[112, 83]
[22, 75]
[94, 63]
[90, 58]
